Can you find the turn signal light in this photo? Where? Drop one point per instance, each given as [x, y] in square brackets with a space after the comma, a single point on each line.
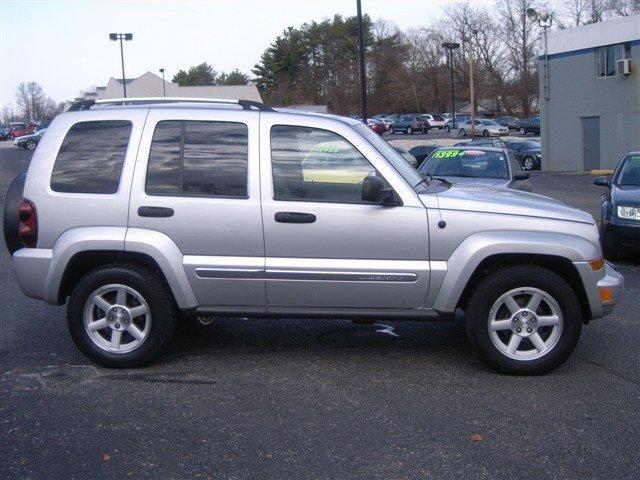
[597, 264]
[606, 295]
[28, 229]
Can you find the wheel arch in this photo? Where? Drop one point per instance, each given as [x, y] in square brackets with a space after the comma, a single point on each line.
[561, 266]
[480, 253]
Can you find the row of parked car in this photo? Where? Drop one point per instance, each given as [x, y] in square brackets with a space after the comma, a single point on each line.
[24, 134]
[412, 123]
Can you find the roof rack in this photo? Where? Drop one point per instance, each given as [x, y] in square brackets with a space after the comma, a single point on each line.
[245, 104]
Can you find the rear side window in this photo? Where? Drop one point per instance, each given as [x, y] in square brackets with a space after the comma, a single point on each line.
[91, 157]
[198, 159]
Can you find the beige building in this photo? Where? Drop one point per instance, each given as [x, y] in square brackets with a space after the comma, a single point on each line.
[150, 85]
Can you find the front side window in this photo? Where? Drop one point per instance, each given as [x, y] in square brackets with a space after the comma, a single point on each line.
[608, 56]
[91, 157]
[316, 165]
[198, 159]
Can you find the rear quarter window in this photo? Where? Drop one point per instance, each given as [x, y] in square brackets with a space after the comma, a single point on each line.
[91, 156]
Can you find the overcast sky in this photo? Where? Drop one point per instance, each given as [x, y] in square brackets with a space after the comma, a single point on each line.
[64, 46]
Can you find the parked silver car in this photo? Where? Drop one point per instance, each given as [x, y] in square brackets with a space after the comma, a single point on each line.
[489, 166]
[483, 126]
[135, 210]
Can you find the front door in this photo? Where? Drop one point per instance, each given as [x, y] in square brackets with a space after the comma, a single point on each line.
[197, 182]
[591, 143]
[326, 248]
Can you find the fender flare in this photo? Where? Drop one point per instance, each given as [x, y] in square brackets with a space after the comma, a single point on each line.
[472, 251]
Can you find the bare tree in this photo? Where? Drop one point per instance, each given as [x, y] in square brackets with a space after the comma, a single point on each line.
[622, 8]
[9, 113]
[31, 100]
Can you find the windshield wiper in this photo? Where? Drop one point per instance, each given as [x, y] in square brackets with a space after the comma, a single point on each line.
[429, 176]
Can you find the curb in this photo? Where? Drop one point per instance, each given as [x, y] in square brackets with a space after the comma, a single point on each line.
[601, 172]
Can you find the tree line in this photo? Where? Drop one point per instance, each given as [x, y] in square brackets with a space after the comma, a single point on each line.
[407, 71]
[31, 104]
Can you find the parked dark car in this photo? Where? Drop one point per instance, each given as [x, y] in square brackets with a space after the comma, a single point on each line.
[410, 159]
[483, 142]
[529, 125]
[528, 152]
[409, 124]
[422, 151]
[620, 216]
[4, 131]
[30, 142]
[508, 121]
[489, 166]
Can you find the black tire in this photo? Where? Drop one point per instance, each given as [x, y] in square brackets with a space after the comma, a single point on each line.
[447, 128]
[409, 131]
[497, 283]
[391, 130]
[30, 144]
[485, 133]
[523, 131]
[462, 132]
[154, 291]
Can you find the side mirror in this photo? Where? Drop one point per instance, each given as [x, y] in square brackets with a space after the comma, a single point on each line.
[602, 181]
[373, 191]
[521, 176]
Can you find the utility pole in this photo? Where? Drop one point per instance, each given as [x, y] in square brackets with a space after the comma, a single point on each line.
[122, 36]
[451, 46]
[363, 85]
[471, 84]
[164, 90]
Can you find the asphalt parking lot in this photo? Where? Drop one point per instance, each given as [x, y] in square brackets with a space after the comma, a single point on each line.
[317, 399]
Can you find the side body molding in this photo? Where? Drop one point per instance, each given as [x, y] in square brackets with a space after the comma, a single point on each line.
[169, 258]
[473, 250]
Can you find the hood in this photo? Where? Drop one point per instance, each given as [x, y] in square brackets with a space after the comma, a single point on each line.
[479, 198]
[626, 195]
[488, 182]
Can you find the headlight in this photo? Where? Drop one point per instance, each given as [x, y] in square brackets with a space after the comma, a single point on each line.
[630, 213]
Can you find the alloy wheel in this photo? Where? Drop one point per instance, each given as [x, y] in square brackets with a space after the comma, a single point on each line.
[528, 163]
[525, 323]
[117, 318]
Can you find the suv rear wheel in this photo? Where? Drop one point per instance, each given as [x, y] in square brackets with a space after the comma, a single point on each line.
[121, 315]
[409, 131]
[525, 319]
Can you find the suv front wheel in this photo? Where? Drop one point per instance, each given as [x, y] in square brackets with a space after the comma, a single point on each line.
[525, 319]
[121, 315]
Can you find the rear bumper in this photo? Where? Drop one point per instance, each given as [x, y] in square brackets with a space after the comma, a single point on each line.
[32, 267]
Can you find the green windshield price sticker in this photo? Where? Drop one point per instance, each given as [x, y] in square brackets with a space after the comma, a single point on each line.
[447, 153]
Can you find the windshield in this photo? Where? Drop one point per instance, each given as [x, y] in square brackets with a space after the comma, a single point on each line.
[490, 122]
[629, 175]
[410, 174]
[469, 163]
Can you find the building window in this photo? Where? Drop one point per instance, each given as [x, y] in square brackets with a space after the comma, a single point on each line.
[608, 56]
[198, 159]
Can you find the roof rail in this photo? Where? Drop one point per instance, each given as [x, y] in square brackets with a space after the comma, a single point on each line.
[245, 104]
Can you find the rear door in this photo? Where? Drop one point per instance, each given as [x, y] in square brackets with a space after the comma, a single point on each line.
[326, 248]
[197, 182]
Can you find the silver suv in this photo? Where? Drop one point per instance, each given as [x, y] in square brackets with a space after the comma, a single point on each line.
[135, 210]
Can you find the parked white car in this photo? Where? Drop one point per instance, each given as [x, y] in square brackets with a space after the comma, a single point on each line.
[434, 121]
[484, 127]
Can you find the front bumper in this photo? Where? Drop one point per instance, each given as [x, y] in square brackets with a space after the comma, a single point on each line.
[622, 236]
[614, 281]
[606, 280]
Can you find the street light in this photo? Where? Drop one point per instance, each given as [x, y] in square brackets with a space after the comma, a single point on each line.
[451, 46]
[122, 36]
[544, 19]
[164, 91]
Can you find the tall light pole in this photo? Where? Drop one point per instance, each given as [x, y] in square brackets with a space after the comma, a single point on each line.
[363, 85]
[164, 91]
[451, 46]
[122, 36]
[544, 19]
[469, 41]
